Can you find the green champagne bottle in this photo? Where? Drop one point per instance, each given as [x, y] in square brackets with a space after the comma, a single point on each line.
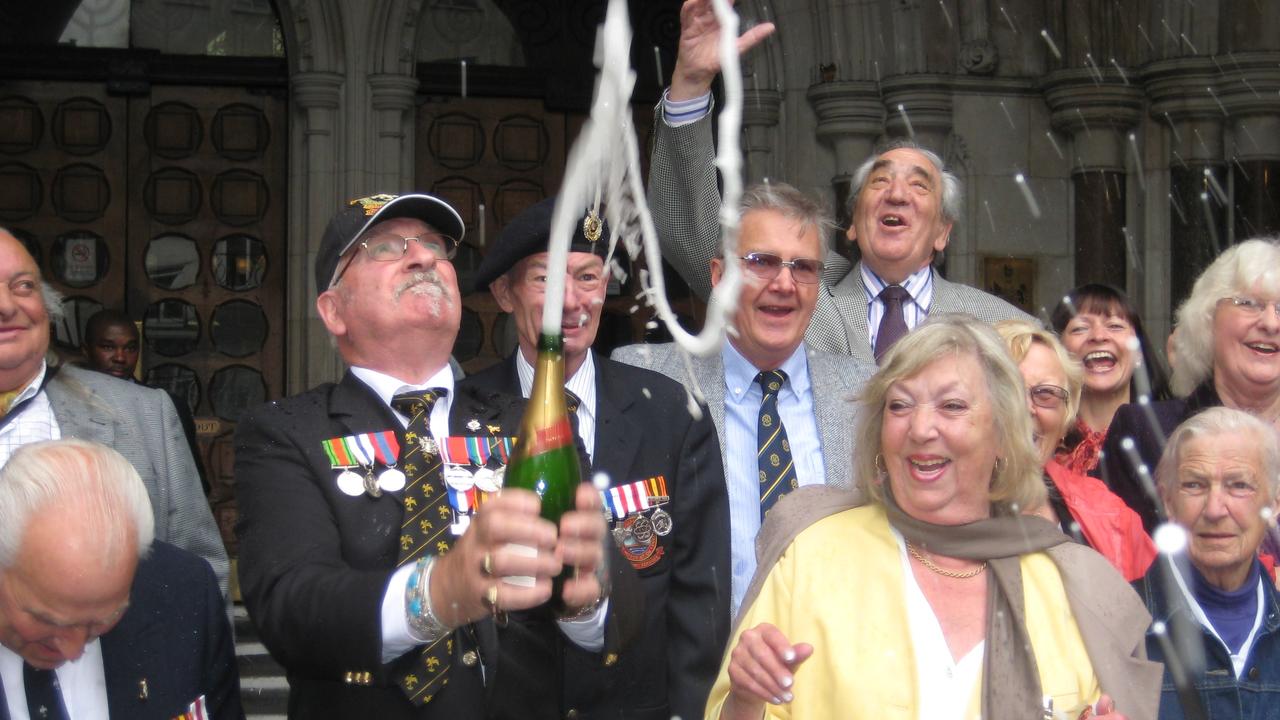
[545, 459]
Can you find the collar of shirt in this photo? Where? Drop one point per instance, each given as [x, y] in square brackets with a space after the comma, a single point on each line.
[387, 387]
[919, 285]
[32, 387]
[582, 383]
[740, 375]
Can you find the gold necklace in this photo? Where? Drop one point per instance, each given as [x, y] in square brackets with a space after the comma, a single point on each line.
[942, 571]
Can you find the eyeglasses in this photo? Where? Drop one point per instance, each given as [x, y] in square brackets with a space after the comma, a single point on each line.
[391, 247]
[1049, 397]
[1251, 307]
[766, 266]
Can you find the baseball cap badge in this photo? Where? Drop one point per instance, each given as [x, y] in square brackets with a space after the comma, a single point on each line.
[373, 203]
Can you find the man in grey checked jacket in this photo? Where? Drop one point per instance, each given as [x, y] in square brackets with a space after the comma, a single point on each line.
[44, 401]
[904, 206]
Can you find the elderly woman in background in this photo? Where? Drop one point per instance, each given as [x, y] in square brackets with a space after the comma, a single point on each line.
[1102, 329]
[1228, 349]
[1082, 506]
[1218, 481]
[938, 599]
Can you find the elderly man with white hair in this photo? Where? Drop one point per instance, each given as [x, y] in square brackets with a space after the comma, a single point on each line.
[98, 619]
[1215, 608]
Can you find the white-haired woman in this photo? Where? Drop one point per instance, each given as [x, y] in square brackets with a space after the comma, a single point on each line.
[1228, 349]
[1216, 607]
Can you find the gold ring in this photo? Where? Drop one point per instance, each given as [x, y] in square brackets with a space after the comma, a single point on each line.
[491, 598]
[486, 564]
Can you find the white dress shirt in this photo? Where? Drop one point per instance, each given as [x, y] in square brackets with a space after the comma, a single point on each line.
[82, 681]
[34, 421]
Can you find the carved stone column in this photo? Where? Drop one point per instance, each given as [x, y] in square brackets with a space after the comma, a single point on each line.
[1183, 99]
[850, 118]
[1098, 118]
[391, 97]
[314, 179]
[1250, 92]
[760, 113]
[918, 106]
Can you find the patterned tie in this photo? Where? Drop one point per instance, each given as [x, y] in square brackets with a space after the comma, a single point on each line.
[893, 325]
[44, 700]
[571, 401]
[425, 528]
[777, 470]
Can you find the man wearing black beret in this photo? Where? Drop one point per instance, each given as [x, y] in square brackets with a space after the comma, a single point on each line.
[667, 503]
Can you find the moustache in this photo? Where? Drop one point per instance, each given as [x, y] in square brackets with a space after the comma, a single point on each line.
[427, 283]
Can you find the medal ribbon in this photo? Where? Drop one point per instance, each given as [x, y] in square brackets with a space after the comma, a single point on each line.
[336, 449]
[385, 447]
[360, 448]
[622, 500]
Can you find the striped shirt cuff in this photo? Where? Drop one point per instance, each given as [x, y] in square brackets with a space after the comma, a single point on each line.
[677, 113]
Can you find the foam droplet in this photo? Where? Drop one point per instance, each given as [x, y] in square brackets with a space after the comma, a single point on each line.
[1170, 539]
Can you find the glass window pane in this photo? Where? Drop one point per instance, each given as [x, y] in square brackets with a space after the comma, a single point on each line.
[171, 327]
[173, 262]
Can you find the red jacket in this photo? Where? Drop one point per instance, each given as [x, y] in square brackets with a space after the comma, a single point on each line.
[1110, 526]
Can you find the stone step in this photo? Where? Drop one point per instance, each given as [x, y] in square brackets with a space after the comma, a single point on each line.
[264, 691]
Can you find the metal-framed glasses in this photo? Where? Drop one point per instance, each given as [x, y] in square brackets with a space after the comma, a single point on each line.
[389, 247]
[1049, 397]
[1251, 307]
[766, 266]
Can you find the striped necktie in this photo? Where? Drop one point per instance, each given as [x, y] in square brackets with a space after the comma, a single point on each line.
[424, 529]
[773, 454]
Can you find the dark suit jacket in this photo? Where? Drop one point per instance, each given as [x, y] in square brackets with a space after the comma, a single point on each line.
[314, 566]
[1149, 432]
[175, 638]
[687, 591]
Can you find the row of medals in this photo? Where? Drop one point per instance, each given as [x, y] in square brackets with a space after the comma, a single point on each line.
[644, 527]
[392, 479]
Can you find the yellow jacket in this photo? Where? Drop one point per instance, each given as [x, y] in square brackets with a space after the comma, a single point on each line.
[840, 587]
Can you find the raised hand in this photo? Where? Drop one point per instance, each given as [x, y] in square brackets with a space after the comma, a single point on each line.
[698, 57]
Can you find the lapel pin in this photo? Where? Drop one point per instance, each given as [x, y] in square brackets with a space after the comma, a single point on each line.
[494, 429]
[473, 425]
[142, 689]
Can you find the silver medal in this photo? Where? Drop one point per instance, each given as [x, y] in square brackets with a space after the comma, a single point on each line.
[619, 535]
[350, 483]
[642, 529]
[500, 476]
[486, 480]
[458, 478]
[661, 522]
[371, 485]
[391, 480]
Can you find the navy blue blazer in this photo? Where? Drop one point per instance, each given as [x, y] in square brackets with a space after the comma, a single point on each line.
[643, 431]
[173, 644]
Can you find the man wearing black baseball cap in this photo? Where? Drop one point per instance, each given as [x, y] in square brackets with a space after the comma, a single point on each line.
[369, 579]
[667, 501]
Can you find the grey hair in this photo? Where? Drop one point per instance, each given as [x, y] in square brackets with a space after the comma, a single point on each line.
[1017, 482]
[792, 204]
[1217, 422]
[1249, 266]
[98, 481]
[952, 194]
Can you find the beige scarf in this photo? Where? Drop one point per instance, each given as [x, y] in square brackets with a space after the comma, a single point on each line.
[1000, 542]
